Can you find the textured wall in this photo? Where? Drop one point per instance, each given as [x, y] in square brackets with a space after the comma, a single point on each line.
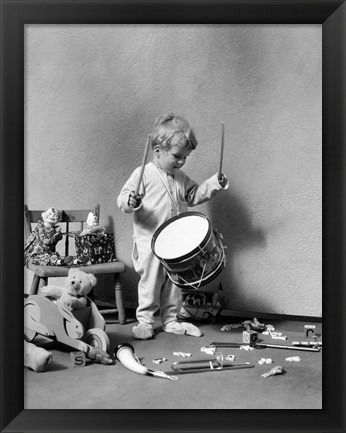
[93, 92]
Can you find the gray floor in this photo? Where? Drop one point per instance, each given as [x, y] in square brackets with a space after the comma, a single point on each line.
[97, 386]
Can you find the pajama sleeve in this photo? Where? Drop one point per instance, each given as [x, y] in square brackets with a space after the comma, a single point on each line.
[196, 194]
[129, 186]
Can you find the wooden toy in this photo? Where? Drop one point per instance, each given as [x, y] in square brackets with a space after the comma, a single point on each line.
[250, 337]
[82, 330]
[78, 358]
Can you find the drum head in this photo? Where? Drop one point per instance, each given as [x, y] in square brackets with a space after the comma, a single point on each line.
[181, 235]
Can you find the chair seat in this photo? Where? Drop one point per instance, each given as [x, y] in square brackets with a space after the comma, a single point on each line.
[62, 271]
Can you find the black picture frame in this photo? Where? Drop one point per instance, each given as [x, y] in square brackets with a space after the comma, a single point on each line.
[14, 15]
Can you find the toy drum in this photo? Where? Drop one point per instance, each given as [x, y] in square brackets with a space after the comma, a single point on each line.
[189, 249]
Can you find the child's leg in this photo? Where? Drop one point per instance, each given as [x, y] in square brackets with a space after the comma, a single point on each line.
[171, 300]
[152, 277]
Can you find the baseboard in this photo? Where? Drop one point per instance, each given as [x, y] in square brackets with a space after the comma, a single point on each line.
[273, 316]
[250, 314]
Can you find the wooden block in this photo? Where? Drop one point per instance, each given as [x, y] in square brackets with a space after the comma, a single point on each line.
[78, 358]
[250, 337]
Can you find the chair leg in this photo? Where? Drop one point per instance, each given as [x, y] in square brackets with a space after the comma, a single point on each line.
[43, 282]
[34, 285]
[119, 299]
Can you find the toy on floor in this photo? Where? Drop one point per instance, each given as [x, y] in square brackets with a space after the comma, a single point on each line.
[200, 306]
[81, 329]
[73, 294]
[36, 358]
[274, 371]
[125, 353]
[40, 245]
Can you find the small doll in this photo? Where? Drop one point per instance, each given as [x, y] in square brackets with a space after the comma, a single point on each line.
[40, 246]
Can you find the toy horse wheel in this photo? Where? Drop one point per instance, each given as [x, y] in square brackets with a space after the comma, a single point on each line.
[96, 337]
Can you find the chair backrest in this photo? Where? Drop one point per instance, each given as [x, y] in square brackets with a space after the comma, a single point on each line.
[31, 217]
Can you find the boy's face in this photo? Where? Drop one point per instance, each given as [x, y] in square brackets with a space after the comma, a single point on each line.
[172, 159]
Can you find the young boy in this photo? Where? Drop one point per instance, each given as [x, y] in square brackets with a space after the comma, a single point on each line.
[165, 191]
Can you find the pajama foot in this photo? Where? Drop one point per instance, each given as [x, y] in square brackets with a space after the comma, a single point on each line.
[182, 328]
[142, 331]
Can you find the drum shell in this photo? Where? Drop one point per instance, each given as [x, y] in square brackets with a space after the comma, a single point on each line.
[199, 266]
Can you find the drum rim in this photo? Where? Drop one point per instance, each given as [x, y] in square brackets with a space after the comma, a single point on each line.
[192, 252]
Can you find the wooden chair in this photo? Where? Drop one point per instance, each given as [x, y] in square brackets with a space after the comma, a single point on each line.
[42, 273]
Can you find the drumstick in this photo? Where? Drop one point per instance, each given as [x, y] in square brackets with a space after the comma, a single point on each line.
[143, 163]
[221, 152]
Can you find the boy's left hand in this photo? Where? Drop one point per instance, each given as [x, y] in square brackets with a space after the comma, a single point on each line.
[222, 180]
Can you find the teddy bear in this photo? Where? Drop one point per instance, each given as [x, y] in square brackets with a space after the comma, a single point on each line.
[36, 358]
[40, 245]
[74, 293]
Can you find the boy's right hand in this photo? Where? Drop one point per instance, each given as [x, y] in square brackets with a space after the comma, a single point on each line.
[134, 200]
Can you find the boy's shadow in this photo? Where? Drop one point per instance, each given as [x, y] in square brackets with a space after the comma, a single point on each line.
[230, 216]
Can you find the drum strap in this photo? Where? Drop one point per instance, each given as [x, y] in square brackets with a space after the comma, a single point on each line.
[168, 191]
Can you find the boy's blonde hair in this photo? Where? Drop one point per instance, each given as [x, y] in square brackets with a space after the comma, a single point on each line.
[172, 130]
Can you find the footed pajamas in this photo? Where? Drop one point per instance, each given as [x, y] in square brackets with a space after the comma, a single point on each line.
[155, 290]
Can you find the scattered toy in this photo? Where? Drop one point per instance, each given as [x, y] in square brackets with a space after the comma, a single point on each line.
[209, 350]
[210, 368]
[182, 354]
[232, 326]
[246, 347]
[309, 329]
[293, 359]
[159, 360]
[278, 346]
[249, 325]
[230, 358]
[125, 353]
[254, 325]
[77, 358]
[274, 371]
[265, 361]
[250, 337]
[269, 330]
[307, 343]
